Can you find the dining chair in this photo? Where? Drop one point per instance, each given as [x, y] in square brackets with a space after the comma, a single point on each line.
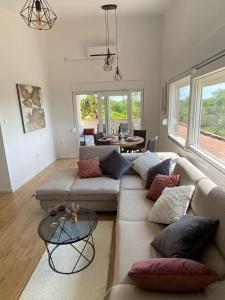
[141, 133]
[98, 136]
[152, 144]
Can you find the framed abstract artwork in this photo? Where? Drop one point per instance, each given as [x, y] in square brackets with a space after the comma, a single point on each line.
[32, 111]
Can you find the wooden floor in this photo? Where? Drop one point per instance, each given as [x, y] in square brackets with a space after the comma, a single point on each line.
[20, 245]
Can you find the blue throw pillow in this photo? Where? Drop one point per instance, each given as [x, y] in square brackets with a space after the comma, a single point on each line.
[114, 165]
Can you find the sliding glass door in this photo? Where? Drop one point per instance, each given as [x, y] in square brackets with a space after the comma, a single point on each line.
[107, 111]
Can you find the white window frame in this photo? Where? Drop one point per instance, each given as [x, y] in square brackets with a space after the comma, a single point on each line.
[172, 116]
[194, 120]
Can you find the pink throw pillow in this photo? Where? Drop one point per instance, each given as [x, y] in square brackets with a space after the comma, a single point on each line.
[89, 168]
[89, 131]
[160, 183]
[172, 275]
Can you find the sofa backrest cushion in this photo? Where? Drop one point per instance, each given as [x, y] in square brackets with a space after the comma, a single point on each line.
[101, 151]
[209, 200]
[189, 174]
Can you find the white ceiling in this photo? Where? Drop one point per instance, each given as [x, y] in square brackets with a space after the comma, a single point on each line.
[80, 8]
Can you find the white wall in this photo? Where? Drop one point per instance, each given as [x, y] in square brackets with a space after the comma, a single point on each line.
[193, 30]
[140, 56]
[5, 184]
[22, 61]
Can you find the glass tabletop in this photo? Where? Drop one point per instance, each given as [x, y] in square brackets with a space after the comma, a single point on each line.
[58, 230]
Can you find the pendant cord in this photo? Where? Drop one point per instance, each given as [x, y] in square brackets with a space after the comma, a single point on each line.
[117, 56]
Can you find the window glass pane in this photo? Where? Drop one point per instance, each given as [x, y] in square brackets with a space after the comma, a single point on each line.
[118, 112]
[212, 127]
[179, 108]
[88, 110]
[136, 109]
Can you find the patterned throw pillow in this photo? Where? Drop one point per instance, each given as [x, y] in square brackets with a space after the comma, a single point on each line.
[160, 183]
[142, 164]
[172, 275]
[172, 205]
[89, 168]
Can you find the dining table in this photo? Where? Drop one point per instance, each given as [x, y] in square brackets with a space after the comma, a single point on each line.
[123, 142]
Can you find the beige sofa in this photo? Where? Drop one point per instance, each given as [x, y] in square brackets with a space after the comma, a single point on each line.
[99, 194]
[134, 235]
[134, 232]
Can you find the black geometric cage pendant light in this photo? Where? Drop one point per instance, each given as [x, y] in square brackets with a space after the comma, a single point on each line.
[38, 14]
[109, 59]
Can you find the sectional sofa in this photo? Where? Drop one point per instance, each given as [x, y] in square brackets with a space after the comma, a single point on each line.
[134, 233]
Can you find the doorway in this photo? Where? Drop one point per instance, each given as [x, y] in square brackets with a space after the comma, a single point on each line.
[107, 111]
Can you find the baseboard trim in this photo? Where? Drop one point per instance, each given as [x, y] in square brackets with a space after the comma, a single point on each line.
[5, 191]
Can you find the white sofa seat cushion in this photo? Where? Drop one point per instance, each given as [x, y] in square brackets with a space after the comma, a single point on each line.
[133, 243]
[215, 291]
[96, 189]
[132, 182]
[133, 205]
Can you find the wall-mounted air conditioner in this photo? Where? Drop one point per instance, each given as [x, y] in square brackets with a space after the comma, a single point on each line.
[100, 52]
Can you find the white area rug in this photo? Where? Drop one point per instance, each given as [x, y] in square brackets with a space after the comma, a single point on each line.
[89, 284]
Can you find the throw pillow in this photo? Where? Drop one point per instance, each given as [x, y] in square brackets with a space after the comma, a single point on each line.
[142, 164]
[172, 275]
[162, 168]
[89, 131]
[185, 238]
[160, 183]
[115, 165]
[172, 204]
[89, 168]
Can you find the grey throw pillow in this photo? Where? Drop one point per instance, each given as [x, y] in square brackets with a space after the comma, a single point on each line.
[186, 237]
[114, 165]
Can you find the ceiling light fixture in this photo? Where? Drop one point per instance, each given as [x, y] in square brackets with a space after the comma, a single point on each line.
[38, 14]
[109, 58]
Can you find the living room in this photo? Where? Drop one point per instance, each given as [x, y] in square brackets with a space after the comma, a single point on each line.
[163, 46]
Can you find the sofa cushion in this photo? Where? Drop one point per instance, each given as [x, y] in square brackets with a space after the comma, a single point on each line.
[172, 204]
[172, 275]
[209, 200]
[133, 240]
[189, 174]
[215, 291]
[101, 151]
[89, 131]
[160, 183]
[101, 185]
[89, 168]
[142, 164]
[54, 189]
[115, 165]
[162, 168]
[133, 205]
[132, 182]
[186, 238]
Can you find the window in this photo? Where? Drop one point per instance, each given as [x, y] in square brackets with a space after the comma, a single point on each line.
[178, 115]
[106, 111]
[210, 137]
[197, 112]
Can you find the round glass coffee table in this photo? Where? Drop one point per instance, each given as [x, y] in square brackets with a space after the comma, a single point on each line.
[57, 231]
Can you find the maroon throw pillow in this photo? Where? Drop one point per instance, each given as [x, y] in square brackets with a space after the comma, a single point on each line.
[89, 168]
[89, 131]
[172, 275]
[160, 183]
